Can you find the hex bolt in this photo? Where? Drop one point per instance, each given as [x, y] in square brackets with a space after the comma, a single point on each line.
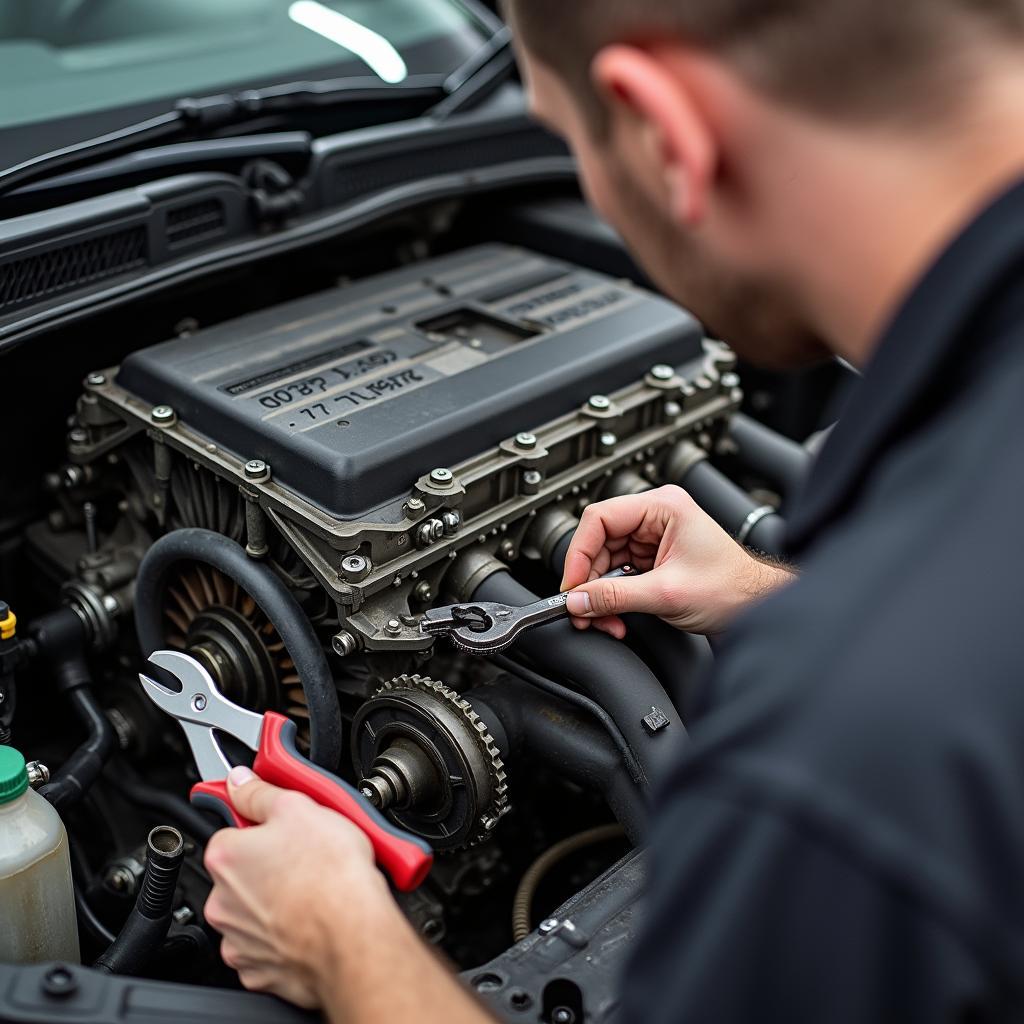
[423, 592]
[452, 523]
[257, 469]
[526, 441]
[38, 774]
[441, 477]
[662, 372]
[599, 403]
[414, 507]
[163, 415]
[96, 380]
[393, 628]
[343, 644]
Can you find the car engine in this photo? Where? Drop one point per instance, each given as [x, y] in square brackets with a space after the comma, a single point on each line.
[285, 493]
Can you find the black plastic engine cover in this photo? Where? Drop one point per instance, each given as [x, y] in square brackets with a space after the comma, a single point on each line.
[351, 395]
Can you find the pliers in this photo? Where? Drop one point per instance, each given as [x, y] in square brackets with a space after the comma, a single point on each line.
[201, 708]
[484, 627]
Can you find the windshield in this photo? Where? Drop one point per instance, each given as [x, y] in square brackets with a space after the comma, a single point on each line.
[65, 58]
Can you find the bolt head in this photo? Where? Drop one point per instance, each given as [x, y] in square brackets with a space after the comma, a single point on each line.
[532, 477]
[662, 372]
[608, 441]
[256, 469]
[354, 564]
[547, 926]
[78, 436]
[730, 381]
[673, 410]
[96, 380]
[415, 506]
[343, 644]
[441, 477]
[393, 628]
[526, 441]
[452, 523]
[163, 415]
[600, 403]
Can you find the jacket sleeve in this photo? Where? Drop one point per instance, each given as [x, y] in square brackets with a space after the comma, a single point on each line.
[751, 918]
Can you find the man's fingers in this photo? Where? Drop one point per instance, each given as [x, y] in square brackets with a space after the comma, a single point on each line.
[602, 599]
[250, 795]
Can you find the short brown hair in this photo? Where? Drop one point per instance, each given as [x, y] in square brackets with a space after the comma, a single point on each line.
[839, 57]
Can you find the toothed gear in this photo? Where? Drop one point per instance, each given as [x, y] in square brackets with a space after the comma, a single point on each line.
[443, 723]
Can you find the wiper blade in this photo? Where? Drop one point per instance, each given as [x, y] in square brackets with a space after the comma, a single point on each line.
[441, 95]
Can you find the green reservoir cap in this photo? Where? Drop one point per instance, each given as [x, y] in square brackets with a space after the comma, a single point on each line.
[13, 777]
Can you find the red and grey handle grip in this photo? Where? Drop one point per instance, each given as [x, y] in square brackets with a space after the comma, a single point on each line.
[406, 859]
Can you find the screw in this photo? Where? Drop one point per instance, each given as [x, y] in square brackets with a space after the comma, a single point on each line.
[163, 415]
[423, 592]
[662, 372]
[532, 481]
[257, 469]
[393, 628]
[527, 441]
[414, 507]
[441, 477]
[38, 774]
[600, 403]
[343, 644]
[198, 702]
[355, 567]
[96, 380]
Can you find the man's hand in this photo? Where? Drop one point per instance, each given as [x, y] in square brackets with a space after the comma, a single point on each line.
[279, 888]
[695, 576]
[305, 915]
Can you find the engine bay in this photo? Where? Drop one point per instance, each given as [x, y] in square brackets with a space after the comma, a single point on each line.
[284, 494]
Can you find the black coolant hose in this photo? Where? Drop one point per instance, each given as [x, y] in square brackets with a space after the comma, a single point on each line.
[276, 602]
[780, 460]
[59, 639]
[146, 928]
[758, 527]
[606, 671]
[547, 731]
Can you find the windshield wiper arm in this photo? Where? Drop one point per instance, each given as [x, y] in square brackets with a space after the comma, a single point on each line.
[442, 95]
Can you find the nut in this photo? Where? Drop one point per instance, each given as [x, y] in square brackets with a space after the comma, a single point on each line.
[414, 507]
[423, 592]
[393, 628]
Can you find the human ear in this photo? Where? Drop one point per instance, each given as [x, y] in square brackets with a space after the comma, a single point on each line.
[655, 92]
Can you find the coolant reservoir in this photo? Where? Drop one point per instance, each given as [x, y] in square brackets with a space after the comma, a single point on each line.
[37, 903]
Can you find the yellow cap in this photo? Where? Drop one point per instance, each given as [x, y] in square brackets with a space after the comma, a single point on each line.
[7, 626]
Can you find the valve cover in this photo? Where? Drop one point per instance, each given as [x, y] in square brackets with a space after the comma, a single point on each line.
[352, 393]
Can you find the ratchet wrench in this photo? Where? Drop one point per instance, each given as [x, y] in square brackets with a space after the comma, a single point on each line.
[485, 627]
[201, 708]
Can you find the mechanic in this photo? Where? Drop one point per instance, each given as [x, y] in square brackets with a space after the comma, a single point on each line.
[844, 840]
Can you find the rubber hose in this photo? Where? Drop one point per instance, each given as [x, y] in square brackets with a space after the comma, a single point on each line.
[584, 703]
[146, 928]
[732, 508]
[606, 671]
[782, 461]
[527, 888]
[83, 767]
[566, 741]
[276, 602]
[170, 807]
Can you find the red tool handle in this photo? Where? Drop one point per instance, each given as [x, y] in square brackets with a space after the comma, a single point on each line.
[404, 857]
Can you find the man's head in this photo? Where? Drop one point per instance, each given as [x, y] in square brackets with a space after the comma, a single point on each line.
[713, 133]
